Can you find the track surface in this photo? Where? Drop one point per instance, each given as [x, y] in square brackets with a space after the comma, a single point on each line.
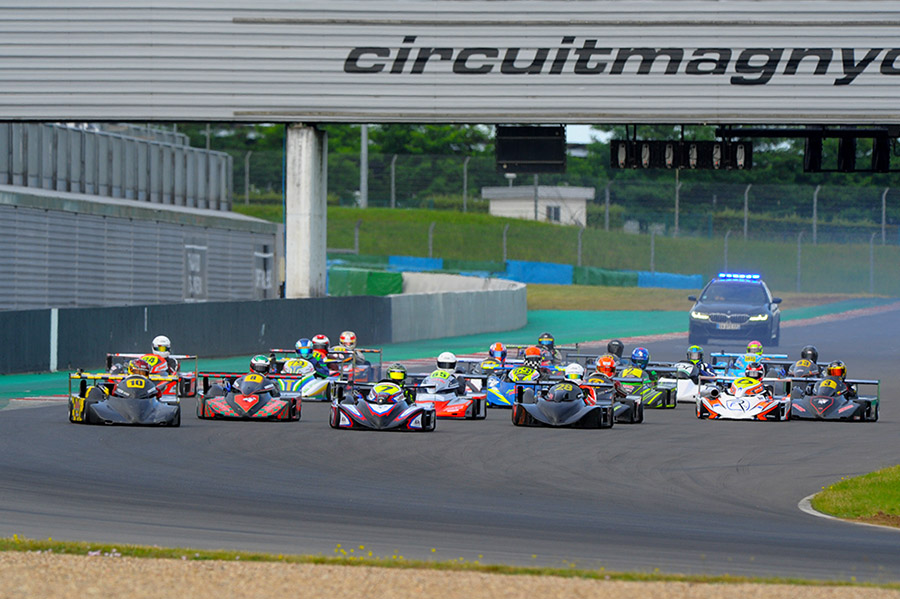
[674, 493]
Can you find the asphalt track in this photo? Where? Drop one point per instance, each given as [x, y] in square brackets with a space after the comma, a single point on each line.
[674, 494]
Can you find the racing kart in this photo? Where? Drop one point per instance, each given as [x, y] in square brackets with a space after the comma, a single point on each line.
[379, 406]
[827, 399]
[501, 386]
[439, 389]
[107, 402]
[185, 384]
[240, 396]
[733, 364]
[652, 395]
[683, 379]
[741, 398]
[540, 409]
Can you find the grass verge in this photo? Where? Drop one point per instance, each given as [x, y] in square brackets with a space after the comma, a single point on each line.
[344, 558]
[873, 498]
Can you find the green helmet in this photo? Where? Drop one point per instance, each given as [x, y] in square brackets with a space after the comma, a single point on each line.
[397, 373]
[695, 354]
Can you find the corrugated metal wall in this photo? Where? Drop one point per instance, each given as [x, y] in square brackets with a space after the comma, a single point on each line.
[54, 258]
[63, 158]
[484, 61]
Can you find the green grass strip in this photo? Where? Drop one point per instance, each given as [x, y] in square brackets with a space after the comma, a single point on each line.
[343, 557]
[873, 497]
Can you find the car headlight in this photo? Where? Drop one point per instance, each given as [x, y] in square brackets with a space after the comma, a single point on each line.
[700, 315]
[759, 317]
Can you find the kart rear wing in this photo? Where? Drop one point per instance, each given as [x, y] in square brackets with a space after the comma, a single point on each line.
[205, 377]
[180, 357]
[790, 381]
[84, 377]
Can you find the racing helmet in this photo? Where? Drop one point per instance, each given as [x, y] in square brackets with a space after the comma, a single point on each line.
[755, 347]
[695, 354]
[348, 340]
[161, 346]
[755, 371]
[546, 340]
[260, 364]
[837, 368]
[565, 392]
[640, 357]
[574, 371]
[321, 343]
[139, 366]
[498, 352]
[385, 393]
[533, 356]
[304, 347]
[615, 347]
[606, 364]
[397, 373]
[809, 352]
[447, 361]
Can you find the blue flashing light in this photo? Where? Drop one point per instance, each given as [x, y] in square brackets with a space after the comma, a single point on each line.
[738, 276]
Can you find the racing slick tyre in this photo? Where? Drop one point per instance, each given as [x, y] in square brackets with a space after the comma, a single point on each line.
[334, 417]
[177, 420]
[639, 417]
[873, 414]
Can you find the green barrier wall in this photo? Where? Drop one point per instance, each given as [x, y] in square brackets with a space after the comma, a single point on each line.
[360, 281]
[591, 275]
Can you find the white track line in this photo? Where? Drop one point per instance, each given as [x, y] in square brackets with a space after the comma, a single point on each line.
[805, 506]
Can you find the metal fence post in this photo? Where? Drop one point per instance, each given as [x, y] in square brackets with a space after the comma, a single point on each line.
[677, 189]
[799, 238]
[872, 263]
[726, 250]
[431, 238]
[606, 211]
[466, 183]
[815, 217]
[505, 229]
[393, 181]
[580, 233]
[746, 208]
[247, 177]
[356, 237]
[884, 213]
[653, 251]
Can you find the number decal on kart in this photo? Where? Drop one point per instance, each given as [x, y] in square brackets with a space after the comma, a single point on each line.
[151, 359]
[135, 383]
[829, 383]
[440, 374]
[566, 387]
[804, 363]
[522, 373]
[253, 378]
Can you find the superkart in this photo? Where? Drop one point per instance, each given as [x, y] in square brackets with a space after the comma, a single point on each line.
[827, 399]
[536, 405]
[383, 406]
[105, 401]
[440, 389]
[243, 396]
[741, 398]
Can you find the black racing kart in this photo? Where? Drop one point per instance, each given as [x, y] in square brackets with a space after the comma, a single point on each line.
[121, 399]
[244, 397]
[560, 404]
[830, 399]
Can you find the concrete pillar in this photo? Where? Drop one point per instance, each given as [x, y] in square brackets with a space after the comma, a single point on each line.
[305, 214]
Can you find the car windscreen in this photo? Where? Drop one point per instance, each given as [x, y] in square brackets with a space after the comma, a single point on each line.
[736, 292]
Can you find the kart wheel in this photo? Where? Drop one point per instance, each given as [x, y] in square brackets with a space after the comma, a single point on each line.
[874, 416]
[640, 414]
[177, 420]
[333, 420]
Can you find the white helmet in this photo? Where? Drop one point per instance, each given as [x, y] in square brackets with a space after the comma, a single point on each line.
[447, 361]
[348, 339]
[575, 371]
[162, 346]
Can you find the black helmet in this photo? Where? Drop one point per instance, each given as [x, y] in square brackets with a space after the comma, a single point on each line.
[260, 364]
[565, 392]
[615, 347]
[809, 352]
[397, 373]
[546, 340]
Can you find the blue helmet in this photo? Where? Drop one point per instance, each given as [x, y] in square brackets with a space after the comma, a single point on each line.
[640, 357]
[304, 347]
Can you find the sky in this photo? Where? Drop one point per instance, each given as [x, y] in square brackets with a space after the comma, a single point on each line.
[581, 134]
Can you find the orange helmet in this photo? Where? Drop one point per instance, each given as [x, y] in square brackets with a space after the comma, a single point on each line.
[606, 364]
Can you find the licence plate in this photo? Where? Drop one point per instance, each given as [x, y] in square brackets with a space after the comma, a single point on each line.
[728, 326]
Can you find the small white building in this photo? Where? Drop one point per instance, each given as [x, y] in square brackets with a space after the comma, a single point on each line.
[564, 205]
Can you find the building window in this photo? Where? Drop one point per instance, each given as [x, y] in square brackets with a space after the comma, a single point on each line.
[553, 213]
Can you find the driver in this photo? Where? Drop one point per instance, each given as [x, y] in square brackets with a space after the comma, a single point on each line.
[615, 349]
[162, 347]
[838, 370]
[305, 350]
[547, 345]
[447, 362]
[137, 369]
[807, 364]
[605, 368]
[530, 370]
[695, 357]
[259, 365]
